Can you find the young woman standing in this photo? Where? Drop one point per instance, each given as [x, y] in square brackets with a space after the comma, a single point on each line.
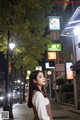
[37, 98]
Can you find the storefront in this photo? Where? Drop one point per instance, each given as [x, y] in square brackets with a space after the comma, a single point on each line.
[72, 29]
[76, 68]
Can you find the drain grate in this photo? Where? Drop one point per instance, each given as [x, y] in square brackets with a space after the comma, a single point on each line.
[61, 117]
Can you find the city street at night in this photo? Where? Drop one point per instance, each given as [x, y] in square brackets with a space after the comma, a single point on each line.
[39, 59]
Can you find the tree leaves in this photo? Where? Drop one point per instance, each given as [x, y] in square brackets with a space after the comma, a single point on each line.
[26, 21]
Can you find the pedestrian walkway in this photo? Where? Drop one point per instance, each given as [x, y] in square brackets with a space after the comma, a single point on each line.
[63, 111]
[59, 112]
[22, 112]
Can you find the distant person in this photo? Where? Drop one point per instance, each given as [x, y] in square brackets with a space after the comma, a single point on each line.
[37, 97]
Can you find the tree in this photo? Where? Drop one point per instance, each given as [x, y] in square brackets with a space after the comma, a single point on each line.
[26, 21]
[60, 81]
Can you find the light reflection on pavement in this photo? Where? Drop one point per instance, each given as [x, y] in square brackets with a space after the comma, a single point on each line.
[1, 109]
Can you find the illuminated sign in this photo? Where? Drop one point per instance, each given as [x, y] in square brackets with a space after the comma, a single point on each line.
[69, 72]
[47, 66]
[51, 55]
[54, 23]
[54, 47]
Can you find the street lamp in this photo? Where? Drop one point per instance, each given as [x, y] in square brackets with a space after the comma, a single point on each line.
[19, 81]
[38, 67]
[6, 106]
[11, 46]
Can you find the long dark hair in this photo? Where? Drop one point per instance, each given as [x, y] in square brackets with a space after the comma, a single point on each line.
[33, 86]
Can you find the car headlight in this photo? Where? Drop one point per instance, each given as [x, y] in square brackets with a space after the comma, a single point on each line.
[18, 93]
[9, 95]
[1, 98]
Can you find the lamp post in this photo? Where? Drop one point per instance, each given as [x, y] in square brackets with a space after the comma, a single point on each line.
[49, 74]
[23, 89]
[11, 46]
[6, 105]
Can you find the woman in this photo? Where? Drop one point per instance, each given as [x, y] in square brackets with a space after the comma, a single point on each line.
[37, 98]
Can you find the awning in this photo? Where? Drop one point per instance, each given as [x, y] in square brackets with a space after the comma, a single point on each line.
[74, 21]
[76, 66]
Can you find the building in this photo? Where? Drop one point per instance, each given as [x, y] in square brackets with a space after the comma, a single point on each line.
[71, 29]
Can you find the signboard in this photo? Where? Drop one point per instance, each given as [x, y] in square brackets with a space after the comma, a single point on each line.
[59, 67]
[54, 23]
[69, 73]
[48, 67]
[54, 47]
[51, 55]
[60, 74]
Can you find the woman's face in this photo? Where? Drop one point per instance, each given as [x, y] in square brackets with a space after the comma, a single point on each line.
[40, 80]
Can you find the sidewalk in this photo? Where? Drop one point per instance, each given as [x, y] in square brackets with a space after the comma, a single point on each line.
[71, 107]
[22, 112]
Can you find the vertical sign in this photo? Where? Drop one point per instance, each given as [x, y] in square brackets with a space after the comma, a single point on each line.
[69, 72]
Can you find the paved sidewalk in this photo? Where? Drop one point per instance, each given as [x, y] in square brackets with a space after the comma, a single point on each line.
[22, 112]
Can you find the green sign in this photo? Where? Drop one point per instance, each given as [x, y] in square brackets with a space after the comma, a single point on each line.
[54, 47]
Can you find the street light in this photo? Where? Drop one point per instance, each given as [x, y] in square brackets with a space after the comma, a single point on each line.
[11, 46]
[18, 81]
[38, 67]
[6, 106]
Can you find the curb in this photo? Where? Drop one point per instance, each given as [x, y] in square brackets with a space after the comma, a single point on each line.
[75, 111]
[63, 103]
